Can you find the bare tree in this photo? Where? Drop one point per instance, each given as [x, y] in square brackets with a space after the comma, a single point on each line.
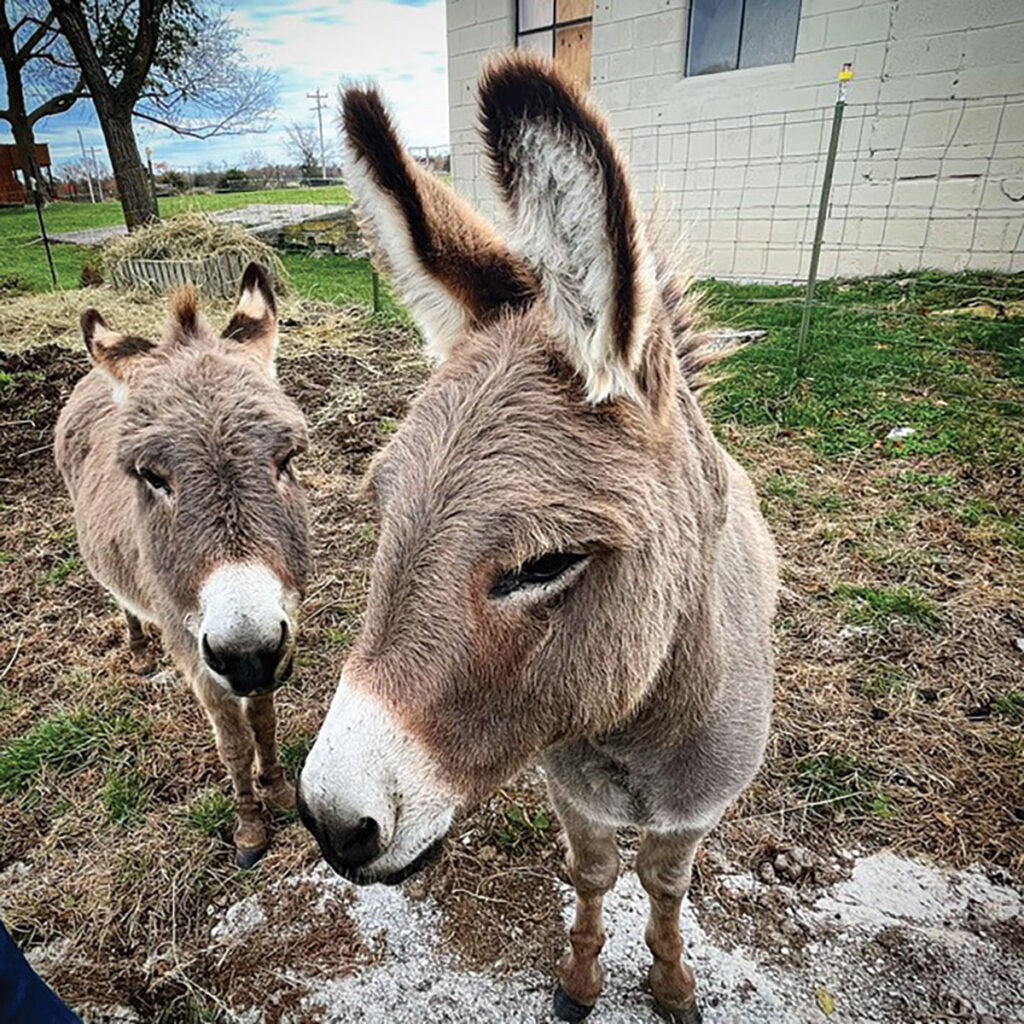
[303, 144]
[174, 63]
[39, 74]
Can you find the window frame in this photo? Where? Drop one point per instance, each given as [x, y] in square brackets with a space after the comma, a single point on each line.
[552, 26]
[739, 41]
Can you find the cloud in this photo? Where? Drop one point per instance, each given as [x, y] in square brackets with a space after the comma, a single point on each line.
[311, 45]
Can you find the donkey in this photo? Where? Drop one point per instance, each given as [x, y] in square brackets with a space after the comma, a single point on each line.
[178, 458]
[569, 565]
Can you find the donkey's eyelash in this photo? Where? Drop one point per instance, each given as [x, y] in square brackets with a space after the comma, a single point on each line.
[536, 572]
[154, 480]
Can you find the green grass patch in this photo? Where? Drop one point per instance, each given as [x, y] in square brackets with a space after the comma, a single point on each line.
[874, 362]
[340, 636]
[339, 279]
[56, 576]
[210, 814]
[294, 753]
[1010, 706]
[886, 681]
[841, 783]
[65, 744]
[126, 796]
[871, 606]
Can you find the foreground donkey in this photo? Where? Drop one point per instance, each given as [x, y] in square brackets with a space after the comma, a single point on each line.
[177, 455]
[569, 564]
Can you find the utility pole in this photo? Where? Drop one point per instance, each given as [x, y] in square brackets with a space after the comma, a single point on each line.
[96, 171]
[319, 98]
[85, 164]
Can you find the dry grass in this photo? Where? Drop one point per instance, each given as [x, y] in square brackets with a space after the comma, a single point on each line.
[891, 728]
[192, 236]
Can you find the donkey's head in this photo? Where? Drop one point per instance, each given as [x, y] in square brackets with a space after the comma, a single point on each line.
[537, 537]
[208, 436]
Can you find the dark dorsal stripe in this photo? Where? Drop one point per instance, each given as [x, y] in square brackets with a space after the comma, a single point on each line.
[483, 279]
[522, 90]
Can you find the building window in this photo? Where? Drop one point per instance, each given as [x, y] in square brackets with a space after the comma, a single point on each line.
[561, 29]
[729, 34]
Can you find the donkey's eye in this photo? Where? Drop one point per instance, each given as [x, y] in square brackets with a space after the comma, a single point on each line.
[536, 571]
[155, 480]
[284, 466]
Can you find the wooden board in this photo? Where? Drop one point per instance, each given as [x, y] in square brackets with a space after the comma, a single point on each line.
[570, 10]
[573, 48]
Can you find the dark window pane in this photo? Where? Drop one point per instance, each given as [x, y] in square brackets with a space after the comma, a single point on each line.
[535, 14]
[714, 41]
[769, 32]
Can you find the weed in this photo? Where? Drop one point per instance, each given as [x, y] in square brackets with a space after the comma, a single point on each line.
[386, 425]
[62, 570]
[886, 681]
[521, 828]
[126, 796]
[6, 557]
[870, 606]
[340, 636]
[367, 532]
[294, 753]
[1010, 706]
[210, 814]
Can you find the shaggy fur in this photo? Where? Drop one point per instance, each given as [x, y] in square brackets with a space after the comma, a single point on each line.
[641, 671]
[204, 413]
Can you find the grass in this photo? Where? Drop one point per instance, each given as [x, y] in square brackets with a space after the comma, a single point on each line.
[210, 814]
[65, 744]
[58, 575]
[879, 357]
[877, 607]
[22, 254]
[125, 796]
[838, 783]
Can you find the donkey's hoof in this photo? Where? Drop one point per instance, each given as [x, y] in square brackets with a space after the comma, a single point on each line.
[567, 1008]
[143, 664]
[247, 856]
[688, 1013]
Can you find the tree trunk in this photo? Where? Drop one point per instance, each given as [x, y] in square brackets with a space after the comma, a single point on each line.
[133, 185]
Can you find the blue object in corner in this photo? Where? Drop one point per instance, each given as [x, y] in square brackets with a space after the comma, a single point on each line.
[24, 997]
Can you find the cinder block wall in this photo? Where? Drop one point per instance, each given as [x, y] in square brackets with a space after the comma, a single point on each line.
[931, 160]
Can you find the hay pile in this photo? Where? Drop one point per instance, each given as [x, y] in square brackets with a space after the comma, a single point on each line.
[193, 236]
[27, 321]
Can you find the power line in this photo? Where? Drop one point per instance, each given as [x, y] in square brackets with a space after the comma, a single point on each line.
[319, 98]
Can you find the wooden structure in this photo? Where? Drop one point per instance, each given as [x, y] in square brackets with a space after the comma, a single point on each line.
[214, 275]
[12, 189]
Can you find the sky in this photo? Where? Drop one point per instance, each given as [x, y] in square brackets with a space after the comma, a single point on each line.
[310, 44]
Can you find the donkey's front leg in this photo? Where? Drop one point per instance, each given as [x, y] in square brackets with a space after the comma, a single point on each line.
[138, 643]
[235, 746]
[664, 864]
[277, 792]
[592, 862]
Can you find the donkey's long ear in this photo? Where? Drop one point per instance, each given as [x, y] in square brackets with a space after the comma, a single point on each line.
[567, 190]
[116, 354]
[254, 322]
[446, 262]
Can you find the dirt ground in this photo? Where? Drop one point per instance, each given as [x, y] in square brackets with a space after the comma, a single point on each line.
[873, 872]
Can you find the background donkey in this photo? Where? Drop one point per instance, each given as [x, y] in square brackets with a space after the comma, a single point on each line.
[177, 456]
[569, 564]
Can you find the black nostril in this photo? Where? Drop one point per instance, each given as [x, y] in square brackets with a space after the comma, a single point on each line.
[212, 658]
[284, 636]
[348, 848]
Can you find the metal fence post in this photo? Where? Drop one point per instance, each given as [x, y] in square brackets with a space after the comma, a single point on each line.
[826, 188]
[34, 187]
[376, 289]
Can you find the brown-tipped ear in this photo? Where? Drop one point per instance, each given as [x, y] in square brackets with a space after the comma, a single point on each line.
[184, 310]
[116, 354]
[254, 322]
[567, 189]
[447, 264]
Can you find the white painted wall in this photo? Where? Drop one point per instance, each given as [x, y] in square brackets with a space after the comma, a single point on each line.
[931, 160]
